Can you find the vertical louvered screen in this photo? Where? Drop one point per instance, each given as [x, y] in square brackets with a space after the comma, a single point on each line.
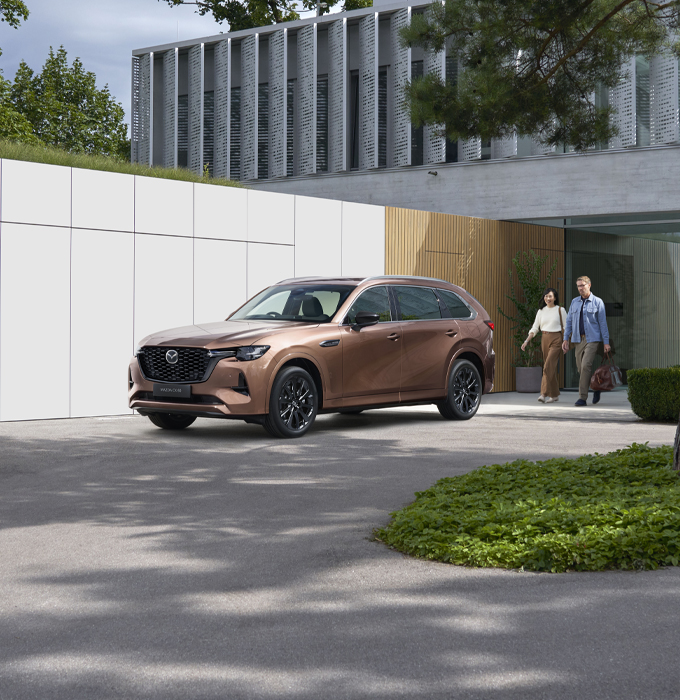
[170, 109]
[434, 143]
[249, 99]
[622, 98]
[337, 96]
[306, 99]
[195, 155]
[417, 152]
[263, 130]
[134, 121]
[222, 103]
[401, 73]
[235, 132]
[322, 124]
[368, 91]
[663, 95]
[144, 142]
[290, 126]
[278, 126]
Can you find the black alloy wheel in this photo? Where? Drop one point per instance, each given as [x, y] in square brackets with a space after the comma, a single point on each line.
[465, 392]
[171, 421]
[293, 404]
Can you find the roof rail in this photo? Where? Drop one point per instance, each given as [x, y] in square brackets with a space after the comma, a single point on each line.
[407, 277]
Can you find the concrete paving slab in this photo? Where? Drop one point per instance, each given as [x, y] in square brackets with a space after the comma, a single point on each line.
[221, 563]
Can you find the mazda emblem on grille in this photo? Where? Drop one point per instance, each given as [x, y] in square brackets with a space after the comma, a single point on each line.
[172, 356]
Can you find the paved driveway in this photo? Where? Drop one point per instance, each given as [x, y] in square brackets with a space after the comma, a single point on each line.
[219, 563]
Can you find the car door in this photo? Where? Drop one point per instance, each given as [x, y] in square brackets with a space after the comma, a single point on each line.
[429, 338]
[372, 356]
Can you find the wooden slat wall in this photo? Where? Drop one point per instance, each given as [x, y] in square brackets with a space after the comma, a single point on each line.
[474, 254]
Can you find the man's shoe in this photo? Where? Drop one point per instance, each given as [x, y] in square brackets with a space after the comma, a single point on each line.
[596, 396]
[580, 402]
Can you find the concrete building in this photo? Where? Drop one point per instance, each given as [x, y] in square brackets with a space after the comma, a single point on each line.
[313, 107]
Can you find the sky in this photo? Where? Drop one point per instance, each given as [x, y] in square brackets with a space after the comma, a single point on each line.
[102, 33]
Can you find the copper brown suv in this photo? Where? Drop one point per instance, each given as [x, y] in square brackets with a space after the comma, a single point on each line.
[316, 345]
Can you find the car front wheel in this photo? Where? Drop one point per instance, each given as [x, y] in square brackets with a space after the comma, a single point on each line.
[465, 392]
[293, 404]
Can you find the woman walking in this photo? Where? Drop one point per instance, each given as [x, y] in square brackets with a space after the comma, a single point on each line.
[550, 320]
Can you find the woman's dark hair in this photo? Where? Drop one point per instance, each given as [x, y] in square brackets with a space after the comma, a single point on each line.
[542, 303]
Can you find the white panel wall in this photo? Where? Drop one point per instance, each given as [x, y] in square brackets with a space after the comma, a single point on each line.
[219, 278]
[268, 264]
[33, 193]
[271, 220]
[363, 240]
[318, 235]
[164, 283]
[102, 276]
[34, 310]
[116, 257]
[220, 212]
[164, 206]
[103, 200]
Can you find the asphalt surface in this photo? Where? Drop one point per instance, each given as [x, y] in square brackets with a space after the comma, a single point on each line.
[220, 563]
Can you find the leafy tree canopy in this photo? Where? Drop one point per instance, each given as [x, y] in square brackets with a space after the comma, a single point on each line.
[65, 108]
[245, 14]
[531, 66]
[13, 125]
[12, 12]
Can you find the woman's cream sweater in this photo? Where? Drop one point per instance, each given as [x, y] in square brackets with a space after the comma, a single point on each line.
[547, 320]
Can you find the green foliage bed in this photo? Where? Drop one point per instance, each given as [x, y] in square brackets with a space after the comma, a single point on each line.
[619, 510]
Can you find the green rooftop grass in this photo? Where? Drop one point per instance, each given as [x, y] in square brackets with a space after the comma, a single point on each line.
[619, 510]
[56, 156]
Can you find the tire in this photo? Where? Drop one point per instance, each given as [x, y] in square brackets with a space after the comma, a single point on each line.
[171, 421]
[293, 404]
[465, 392]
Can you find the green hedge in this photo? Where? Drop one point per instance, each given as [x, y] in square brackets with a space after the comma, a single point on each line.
[654, 394]
[619, 510]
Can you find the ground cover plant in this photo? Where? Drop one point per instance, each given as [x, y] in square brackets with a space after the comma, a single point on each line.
[619, 510]
[56, 156]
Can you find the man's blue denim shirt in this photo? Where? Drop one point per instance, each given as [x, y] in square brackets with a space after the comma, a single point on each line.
[594, 321]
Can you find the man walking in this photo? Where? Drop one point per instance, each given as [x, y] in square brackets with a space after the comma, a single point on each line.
[586, 328]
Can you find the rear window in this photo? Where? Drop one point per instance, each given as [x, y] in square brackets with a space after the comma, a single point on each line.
[455, 304]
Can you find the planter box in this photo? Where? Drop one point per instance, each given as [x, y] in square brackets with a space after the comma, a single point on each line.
[528, 379]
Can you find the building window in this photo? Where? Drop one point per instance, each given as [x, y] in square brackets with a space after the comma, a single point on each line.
[235, 129]
[263, 130]
[382, 118]
[451, 79]
[641, 101]
[182, 131]
[354, 119]
[208, 130]
[416, 132]
[322, 124]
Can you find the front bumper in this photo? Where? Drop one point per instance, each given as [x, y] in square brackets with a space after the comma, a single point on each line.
[233, 390]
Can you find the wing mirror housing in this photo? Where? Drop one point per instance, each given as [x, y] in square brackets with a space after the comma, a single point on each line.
[364, 319]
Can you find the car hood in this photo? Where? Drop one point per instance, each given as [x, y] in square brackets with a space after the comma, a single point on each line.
[221, 334]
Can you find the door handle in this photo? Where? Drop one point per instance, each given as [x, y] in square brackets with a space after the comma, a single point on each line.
[393, 336]
[451, 333]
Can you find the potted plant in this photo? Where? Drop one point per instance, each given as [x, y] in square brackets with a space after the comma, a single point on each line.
[528, 363]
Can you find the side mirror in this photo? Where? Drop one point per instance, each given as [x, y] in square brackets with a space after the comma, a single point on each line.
[365, 318]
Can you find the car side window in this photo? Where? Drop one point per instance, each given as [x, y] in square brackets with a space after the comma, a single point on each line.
[417, 303]
[455, 304]
[374, 300]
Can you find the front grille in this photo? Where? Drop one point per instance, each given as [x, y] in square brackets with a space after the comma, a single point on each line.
[191, 366]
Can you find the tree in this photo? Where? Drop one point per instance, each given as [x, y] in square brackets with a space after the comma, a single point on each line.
[65, 108]
[245, 14]
[532, 67]
[13, 125]
[12, 12]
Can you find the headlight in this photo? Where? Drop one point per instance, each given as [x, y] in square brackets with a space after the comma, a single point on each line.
[251, 352]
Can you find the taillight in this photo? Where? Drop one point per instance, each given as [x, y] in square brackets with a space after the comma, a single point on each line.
[490, 324]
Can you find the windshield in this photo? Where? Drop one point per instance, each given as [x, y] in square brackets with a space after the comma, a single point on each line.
[313, 303]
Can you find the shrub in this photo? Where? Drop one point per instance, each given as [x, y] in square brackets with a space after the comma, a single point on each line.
[614, 511]
[654, 394]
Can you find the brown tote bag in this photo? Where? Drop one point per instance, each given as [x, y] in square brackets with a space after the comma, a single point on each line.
[607, 376]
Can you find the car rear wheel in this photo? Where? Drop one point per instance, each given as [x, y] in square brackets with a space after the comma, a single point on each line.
[465, 392]
[171, 421]
[293, 404]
